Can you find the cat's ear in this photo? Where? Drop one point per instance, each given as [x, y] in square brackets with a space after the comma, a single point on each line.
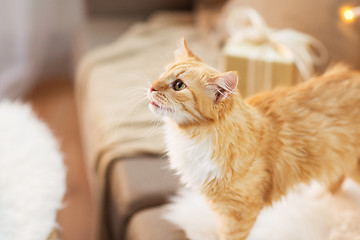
[184, 51]
[222, 86]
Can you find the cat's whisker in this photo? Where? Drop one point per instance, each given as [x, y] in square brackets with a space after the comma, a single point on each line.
[155, 125]
[147, 79]
[136, 98]
[133, 102]
[173, 107]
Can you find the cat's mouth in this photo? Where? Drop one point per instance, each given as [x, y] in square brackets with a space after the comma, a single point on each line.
[157, 106]
[154, 104]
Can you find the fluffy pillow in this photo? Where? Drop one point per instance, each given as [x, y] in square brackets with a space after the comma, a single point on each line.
[32, 175]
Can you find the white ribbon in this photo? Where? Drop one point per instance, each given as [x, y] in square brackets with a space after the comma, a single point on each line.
[246, 24]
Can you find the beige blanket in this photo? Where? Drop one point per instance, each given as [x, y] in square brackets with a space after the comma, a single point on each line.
[112, 83]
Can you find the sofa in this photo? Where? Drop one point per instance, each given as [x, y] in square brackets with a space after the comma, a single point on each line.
[125, 155]
[118, 56]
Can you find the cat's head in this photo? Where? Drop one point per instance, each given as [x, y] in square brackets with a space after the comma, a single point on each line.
[190, 91]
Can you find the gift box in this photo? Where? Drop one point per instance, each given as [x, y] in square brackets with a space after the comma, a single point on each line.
[266, 58]
[259, 67]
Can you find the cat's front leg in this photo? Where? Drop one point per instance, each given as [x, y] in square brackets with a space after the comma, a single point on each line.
[237, 224]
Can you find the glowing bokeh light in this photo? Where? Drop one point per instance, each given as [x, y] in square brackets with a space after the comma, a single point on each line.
[349, 15]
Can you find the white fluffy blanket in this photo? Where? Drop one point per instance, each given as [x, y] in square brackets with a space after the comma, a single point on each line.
[311, 213]
[32, 175]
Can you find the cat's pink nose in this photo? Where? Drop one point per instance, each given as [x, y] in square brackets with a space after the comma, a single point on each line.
[152, 89]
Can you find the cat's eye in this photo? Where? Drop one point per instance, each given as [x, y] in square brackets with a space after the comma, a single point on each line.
[178, 85]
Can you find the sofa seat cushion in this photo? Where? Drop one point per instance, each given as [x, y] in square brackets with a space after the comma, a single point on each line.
[150, 225]
[135, 184]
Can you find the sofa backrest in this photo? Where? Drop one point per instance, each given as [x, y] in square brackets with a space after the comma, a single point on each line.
[137, 7]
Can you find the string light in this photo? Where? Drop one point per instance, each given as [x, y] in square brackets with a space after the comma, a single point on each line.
[349, 14]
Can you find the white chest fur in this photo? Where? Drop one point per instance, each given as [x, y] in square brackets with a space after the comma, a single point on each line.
[191, 158]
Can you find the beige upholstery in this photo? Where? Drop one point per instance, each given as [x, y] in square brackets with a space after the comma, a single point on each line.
[149, 225]
[135, 184]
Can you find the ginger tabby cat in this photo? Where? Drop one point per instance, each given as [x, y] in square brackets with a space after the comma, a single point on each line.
[244, 154]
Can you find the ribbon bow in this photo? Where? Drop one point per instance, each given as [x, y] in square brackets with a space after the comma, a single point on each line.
[246, 24]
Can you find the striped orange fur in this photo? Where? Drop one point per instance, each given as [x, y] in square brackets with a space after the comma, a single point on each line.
[243, 154]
